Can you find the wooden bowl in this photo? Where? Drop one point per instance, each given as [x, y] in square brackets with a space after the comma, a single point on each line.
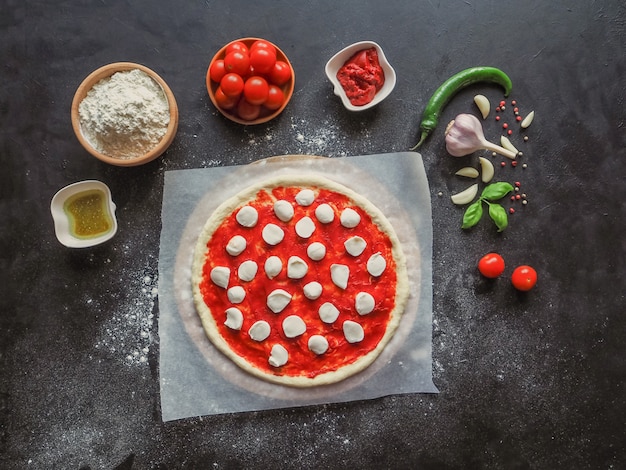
[266, 115]
[107, 71]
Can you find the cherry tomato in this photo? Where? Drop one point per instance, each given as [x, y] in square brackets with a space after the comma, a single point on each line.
[231, 84]
[248, 111]
[217, 70]
[223, 101]
[280, 73]
[237, 62]
[262, 60]
[255, 90]
[237, 46]
[491, 265]
[524, 278]
[262, 44]
[275, 98]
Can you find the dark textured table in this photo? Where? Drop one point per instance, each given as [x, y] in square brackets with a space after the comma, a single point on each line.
[530, 380]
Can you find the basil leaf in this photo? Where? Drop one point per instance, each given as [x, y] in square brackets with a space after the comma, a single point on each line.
[496, 191]
[498, 215]
[472, 214]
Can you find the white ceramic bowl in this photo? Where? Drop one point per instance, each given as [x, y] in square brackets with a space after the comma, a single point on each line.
[341, 57]
[62, 221]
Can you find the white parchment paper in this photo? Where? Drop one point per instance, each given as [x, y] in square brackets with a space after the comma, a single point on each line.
[196, 379]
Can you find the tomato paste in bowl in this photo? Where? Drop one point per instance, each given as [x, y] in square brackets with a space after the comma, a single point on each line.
[361, 75]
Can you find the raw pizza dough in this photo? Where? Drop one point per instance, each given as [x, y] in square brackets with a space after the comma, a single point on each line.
[299, 280]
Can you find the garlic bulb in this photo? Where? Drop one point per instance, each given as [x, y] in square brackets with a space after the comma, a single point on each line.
[464, 135]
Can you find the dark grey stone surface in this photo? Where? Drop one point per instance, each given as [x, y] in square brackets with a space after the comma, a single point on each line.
[530, 380]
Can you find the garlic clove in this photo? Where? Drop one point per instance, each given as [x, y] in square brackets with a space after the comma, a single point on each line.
[468, 172]
[528, 120]
[487, 169]
[507, 144]
[466, 196]
[483, 105]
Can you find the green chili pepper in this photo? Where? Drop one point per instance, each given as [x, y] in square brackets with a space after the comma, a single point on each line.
[451, 87]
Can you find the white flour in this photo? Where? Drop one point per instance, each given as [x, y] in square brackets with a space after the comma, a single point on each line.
[125, 115]
[324, 139]
[127, 333]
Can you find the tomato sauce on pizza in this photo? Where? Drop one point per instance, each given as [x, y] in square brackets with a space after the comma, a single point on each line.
[299, 281]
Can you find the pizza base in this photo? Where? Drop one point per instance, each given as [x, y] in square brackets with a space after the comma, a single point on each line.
[243, 197]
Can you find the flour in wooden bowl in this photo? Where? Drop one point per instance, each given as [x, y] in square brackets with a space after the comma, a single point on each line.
[125, 115]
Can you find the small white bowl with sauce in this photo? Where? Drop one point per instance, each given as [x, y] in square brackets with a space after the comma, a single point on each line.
[84, 214]
[337, 61]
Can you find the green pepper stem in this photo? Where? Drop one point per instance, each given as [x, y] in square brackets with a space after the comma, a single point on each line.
[421, 141]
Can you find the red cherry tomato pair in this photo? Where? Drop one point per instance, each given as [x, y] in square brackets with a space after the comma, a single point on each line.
[249, 79]
[492, 265]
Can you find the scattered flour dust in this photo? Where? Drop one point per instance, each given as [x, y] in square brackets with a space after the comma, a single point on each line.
[324, 138]
[127, 334]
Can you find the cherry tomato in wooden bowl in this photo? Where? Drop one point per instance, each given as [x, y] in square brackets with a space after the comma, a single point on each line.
[491, 265]
[250, 59]
[524, 278]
